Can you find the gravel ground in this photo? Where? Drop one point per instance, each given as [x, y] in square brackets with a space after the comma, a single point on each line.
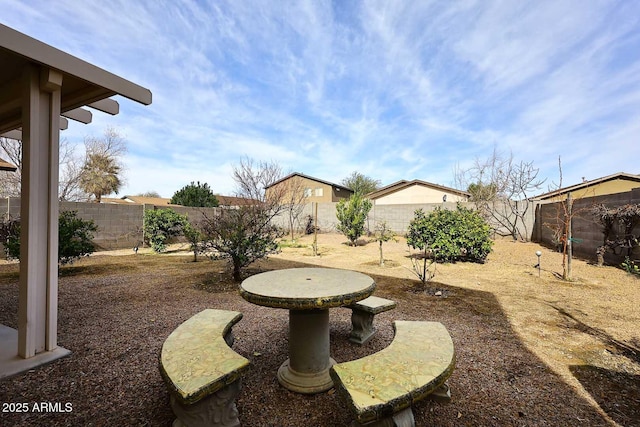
[530, 351]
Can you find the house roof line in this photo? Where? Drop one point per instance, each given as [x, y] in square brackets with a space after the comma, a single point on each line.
[587, 184]
[6, 166]
[311, 178]
[399, 185]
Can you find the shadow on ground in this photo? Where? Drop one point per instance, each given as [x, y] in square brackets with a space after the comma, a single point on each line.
[618, 394]
[114, 319]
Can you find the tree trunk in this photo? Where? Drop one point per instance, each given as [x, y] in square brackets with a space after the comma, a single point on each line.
[237, 277]
[569, 235]
[381, 257]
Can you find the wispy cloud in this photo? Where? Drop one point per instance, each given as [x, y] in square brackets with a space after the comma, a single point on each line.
[394, 90]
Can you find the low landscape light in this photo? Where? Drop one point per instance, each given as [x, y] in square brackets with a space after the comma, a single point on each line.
[538, 254]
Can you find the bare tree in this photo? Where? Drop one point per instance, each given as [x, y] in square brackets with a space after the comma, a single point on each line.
[293, 201]
[246, 234]
[72, 163]
[501, 190]
[70, 170]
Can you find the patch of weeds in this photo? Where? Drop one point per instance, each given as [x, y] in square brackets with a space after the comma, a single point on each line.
[291, 244]
[217, 283]
[630, 267]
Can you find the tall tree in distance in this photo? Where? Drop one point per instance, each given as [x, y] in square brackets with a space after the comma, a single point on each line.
[151, 193]
[100, 176]
[195, 195]
[104, 151]
[360, 183]
[102, 169]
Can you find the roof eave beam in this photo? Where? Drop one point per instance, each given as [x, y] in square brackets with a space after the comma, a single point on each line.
[106, 105]
[35, 50]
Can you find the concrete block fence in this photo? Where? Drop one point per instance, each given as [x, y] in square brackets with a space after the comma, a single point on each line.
[120, 226]
[585, 229]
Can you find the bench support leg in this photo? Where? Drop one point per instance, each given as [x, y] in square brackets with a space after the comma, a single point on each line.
[442, 394]
[216, 410]
[403, 418]
[361, 327]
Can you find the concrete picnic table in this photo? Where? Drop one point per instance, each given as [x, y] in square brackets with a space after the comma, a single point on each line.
[308, 294]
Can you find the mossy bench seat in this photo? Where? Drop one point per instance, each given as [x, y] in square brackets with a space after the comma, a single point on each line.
[362, 314]
[201, 371]
[381, 387]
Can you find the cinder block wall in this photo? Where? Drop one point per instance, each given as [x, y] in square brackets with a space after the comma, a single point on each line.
[585, 228]
[119, 226]
[397, 217]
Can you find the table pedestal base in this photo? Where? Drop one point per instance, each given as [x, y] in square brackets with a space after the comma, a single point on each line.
[307, 369]
[306, 383]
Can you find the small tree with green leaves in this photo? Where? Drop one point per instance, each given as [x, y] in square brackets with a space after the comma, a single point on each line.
[352, 216]
[75, 237]
[418, 238]
[383, 234]
[247, 234]
[195, 238]
[195, 195]
[161, 225]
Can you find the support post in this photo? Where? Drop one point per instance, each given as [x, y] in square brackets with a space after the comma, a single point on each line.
[38, 297]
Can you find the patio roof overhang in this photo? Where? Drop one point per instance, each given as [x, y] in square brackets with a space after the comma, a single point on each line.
[38, 85]
[84, 84]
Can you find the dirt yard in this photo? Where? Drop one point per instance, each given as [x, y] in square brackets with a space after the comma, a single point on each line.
[531, 351]
[586, 327]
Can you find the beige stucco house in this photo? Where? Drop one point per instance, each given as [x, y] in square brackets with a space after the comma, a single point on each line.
[611, 184]
[416, 191]
[309, 188]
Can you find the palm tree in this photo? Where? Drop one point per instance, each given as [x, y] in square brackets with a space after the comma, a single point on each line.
[100, 175]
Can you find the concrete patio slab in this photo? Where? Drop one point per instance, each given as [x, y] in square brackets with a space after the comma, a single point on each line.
[12, 364]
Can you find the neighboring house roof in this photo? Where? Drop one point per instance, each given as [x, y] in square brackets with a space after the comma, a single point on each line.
[137, 200]
[233, 201]
[291, 175]
[6, 166]
[402, 184]
[162, 201]
[586, 184]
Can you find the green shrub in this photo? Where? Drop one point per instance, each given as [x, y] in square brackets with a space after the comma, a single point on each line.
[75, 237]
[161, 225]
[195, 195]
[451, 235]
[10, 235]
[195, 238]
[352, 216]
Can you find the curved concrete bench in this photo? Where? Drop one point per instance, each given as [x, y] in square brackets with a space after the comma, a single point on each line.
[362, 314]
[201, 371]
[381, 387]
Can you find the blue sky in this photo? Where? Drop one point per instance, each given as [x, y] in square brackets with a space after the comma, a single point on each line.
[392, 89]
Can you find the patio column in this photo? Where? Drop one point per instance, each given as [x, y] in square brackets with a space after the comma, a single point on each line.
[38, 297]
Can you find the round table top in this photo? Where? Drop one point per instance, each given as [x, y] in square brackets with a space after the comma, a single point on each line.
[307, 288]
